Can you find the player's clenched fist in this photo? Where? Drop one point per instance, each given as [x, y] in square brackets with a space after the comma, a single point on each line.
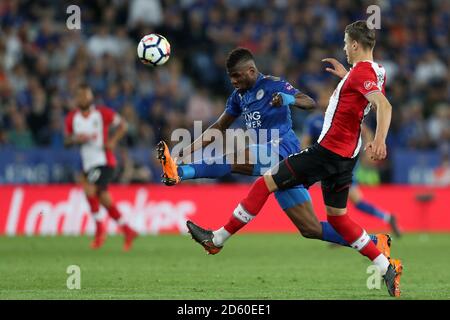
[282, 99]
[377, 150]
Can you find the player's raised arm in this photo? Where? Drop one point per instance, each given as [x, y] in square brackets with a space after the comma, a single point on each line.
[384, 113]
[223, 123]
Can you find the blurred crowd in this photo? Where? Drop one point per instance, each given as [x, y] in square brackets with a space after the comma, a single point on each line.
[42, 61]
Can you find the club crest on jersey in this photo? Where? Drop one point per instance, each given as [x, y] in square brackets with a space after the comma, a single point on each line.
[369, 85]
[260, 94]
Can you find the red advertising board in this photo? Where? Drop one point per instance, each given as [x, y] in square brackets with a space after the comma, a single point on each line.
[152, 209]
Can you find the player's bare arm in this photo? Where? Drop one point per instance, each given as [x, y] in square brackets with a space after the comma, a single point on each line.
[377, 147]
[122, 129]
[338, 69]
[223, 123]
[300, 100]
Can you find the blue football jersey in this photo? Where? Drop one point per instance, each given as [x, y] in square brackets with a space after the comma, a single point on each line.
[254, 107]
[313, 126]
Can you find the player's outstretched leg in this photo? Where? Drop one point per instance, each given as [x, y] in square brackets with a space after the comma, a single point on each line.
[394, 226]
[170, 175]
[173, 173]
[203, 237]
[296, 203]
[389, 218]
[213, 241]
[362, 205]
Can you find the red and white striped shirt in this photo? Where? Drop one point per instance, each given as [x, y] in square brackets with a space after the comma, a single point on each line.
[95, 125]
[341, 131]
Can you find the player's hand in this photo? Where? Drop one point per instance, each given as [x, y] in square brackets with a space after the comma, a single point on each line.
[282, 99]
[338, 69]
[377, 150]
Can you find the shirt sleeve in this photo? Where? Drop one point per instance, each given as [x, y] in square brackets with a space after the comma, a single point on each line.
[286, 87]
[364, 80]
[109, 116]
[232, 106]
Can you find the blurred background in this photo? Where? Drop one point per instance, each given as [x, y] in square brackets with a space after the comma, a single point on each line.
[41, 62]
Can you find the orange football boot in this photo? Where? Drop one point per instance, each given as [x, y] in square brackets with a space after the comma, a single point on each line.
[170, 169]
[384, 244]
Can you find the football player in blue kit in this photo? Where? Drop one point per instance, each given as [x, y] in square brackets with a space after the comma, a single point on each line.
[311, 133]
[264, 103]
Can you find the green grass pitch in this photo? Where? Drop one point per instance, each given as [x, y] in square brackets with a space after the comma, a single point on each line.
[251, 266]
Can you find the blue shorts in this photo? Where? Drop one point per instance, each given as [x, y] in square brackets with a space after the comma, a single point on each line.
[265, 156]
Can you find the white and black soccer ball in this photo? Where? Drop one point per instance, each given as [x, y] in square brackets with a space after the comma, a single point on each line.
[153, 49]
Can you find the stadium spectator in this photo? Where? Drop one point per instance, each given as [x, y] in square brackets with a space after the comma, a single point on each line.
[19, 135]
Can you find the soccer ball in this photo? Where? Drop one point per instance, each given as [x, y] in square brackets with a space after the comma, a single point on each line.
[153, 49]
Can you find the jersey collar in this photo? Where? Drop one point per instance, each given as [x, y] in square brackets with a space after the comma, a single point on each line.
[258, 80]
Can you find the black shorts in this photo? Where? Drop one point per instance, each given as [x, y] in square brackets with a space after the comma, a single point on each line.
[318, 164]
[100, 176]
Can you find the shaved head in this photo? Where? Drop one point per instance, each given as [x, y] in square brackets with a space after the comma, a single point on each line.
[242, 69]
[242, 65]
[238, 56]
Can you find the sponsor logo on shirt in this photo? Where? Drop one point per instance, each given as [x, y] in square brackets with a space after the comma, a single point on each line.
[252, 119]
[369, 85]
[260, 94]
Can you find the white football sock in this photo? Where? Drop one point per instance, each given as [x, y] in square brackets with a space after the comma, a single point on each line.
[220, 236]
[382, 263]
